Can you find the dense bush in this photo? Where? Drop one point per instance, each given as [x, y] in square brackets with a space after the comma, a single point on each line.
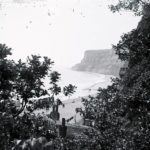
[122, 111]
[21, 86]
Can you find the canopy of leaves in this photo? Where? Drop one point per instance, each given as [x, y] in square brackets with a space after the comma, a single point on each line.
[21, 89]
[122, 111]
[133, 5]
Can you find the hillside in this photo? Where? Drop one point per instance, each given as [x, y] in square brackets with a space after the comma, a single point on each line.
[100, 61]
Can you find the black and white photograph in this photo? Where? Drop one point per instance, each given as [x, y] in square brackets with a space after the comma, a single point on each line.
[74, 74]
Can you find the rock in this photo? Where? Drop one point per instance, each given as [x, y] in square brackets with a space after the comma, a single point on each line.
[100, 61]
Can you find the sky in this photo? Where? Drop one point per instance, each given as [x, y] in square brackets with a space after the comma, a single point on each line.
[61, 29]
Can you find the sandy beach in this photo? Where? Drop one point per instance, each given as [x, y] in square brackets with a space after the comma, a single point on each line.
[72, 103]
[68, 110]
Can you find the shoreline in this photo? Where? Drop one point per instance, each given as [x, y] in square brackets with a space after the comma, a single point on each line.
[68, 110]
[70, 105]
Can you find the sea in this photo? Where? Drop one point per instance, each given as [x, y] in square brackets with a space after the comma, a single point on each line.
[87, 83]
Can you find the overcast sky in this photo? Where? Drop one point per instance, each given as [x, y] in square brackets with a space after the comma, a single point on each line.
[61, 29]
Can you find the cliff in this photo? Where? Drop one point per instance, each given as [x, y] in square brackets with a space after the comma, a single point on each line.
[100, 61]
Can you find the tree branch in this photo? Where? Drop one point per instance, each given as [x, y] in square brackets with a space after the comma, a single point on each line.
[21, 110]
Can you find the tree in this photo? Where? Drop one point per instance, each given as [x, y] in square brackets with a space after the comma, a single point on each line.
[134, 47]
[69, 90]
[106, 109]
[132, 5]
[21, 86]
[122, 110]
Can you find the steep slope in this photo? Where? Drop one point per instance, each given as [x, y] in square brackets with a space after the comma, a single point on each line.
[100, 61]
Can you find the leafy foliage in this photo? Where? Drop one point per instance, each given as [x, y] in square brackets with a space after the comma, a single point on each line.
[133, 5]
[82, 141]
[21, 89]
[121, 112]
[69, 90]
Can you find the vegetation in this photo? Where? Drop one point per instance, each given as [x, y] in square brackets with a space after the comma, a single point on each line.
[21, 84]
[135, 6]
[120, 113]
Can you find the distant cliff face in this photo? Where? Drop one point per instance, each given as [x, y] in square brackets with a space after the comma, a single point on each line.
[100, 61]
